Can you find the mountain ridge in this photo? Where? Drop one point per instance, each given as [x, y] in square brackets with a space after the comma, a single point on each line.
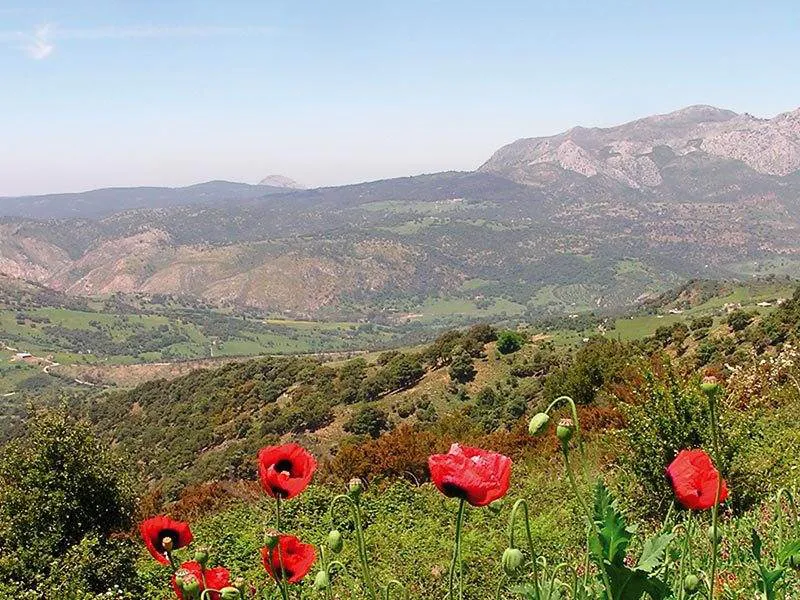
[584, 219]
[769, 146]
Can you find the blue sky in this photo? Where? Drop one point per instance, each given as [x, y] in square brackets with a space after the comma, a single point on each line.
[173, 92]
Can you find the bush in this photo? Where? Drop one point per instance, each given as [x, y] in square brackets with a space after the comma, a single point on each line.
[701, 323]
[739, 319]
[509, 341]
[367, 420]
[61, 494]
[594, 366]
[665, 415]
[461, 367]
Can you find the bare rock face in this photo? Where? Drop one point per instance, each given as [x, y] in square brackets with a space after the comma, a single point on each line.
[625, 153]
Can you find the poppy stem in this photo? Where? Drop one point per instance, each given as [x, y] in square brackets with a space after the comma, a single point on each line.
[522, 504]
[355, 510]
[588, 513]
[396, 584]
[576, 422]
[456, 563]
[686, 556]
[175, 566]
[282, 585]
[712, 405]
[794, 525]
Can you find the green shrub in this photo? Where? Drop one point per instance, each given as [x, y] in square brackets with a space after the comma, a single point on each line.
[509, 341]
[595, 365]
[61, 494]
[461, 367]
[367, 420]
[739, 319]
[666, 414]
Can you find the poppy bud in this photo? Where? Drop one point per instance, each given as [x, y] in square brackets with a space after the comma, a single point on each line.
[512, 560]
[538, 423]
[354, 488]
[794, 561]
[230, 593]
[190, 587]
[496, 507]
[691, 583]
[565, 430]
[335, 542]
[271, 539]
[321, 581]
[167, 544]
[201, 556]
[714, 535]
[710, 386]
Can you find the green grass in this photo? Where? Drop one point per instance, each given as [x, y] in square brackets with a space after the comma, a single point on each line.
[425, 208]
[639, 327]
[435, 309]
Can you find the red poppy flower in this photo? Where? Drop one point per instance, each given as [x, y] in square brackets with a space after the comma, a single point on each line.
[155, 529]
[695, 479]
[295, 556]
[285, 470]
[215, 579]
[477, 476]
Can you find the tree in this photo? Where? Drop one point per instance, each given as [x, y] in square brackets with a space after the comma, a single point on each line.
[509, 341]
[596, 364]
[461, 367]
[403, 371]
[739, 319]
[62, 493]
[367, 420]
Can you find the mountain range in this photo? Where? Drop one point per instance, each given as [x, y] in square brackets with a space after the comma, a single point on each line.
[592, 217]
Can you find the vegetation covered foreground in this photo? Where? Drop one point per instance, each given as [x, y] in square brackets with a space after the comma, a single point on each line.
[535, 507]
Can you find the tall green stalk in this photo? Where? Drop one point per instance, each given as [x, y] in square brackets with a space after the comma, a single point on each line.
[457, 563]
[712, 404]
[570, 475]
[576, 422]
[522, 504]
[281, 580]
[685, 556]
[363, 558]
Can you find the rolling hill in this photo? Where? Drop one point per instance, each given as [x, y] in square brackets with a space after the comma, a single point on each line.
[585, 219]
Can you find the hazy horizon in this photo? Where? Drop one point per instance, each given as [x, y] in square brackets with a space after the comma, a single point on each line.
[117, 95]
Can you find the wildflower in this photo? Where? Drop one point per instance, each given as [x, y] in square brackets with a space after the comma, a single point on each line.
[285, 471]
[354, 488]
[162, 535]
[512, 560]
[565, 430]
[691, 583]
[201, 557]
[190, 577]
[538, 423]
[294, 556]
[695, 479]
[335, 542]
[472, 474]
[321, 581]
[714, 534]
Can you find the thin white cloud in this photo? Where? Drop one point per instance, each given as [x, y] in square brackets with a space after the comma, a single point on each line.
[159, 31]
[41, 43]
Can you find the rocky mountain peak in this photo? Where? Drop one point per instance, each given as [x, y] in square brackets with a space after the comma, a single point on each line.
[281, 181]
[625, 153]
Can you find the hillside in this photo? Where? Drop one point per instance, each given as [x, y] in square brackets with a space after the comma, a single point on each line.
[207, 424]
[98, 203]
[591, 218]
